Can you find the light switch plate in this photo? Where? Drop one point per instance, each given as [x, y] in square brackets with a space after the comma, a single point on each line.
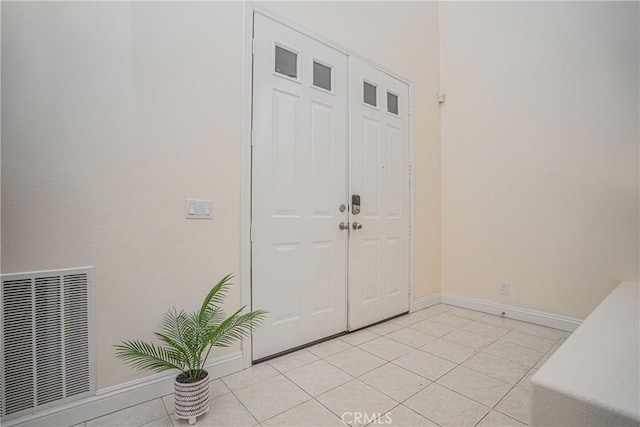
[198, 209]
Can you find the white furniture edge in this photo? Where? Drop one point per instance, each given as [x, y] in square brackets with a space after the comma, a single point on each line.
[593, 378]
[121, 396]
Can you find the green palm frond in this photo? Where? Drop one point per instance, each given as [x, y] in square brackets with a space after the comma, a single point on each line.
[212, 316]
[186, 337]
[174, 324]
[142, 355]
[236, 327]
[175, 334]
[216, 295]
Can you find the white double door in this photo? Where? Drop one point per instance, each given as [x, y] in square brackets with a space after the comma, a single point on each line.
[327, 129]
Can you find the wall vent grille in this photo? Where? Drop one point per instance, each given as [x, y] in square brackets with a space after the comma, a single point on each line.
[46, 340]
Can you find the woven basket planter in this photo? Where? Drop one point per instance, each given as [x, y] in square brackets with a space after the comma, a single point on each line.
[191, 399]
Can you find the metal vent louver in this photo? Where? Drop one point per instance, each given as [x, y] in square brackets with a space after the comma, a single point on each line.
[47, 355]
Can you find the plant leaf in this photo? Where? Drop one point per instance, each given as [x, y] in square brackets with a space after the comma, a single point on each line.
[215, 296]
[142, 355]
[235, 327]
[175, 327]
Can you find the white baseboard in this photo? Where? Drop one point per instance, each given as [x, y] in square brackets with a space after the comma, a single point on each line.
[532, 316]
[121, 396]
[424, 302]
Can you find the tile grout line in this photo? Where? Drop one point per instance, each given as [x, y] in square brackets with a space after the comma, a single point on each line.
[495, 407]
[293, 407]
[133, 406]
[400, 404]
[245, 407]
[327, 391]
[330, 410]
[252, 384]
[300, 366]
[167, 409]
[483, 417]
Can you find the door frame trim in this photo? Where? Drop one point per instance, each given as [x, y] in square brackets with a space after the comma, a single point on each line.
[250, 8]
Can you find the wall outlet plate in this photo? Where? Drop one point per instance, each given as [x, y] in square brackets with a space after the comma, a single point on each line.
[504, 288]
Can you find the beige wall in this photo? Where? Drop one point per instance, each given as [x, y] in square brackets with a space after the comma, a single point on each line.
[114, 113]
[540, 151]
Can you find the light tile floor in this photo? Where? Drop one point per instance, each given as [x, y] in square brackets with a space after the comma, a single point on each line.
[443, 365]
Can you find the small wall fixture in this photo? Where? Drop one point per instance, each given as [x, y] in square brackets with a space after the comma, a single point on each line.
[198, 209]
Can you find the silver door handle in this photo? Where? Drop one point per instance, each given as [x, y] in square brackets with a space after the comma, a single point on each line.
[344, 226]
[357, 226]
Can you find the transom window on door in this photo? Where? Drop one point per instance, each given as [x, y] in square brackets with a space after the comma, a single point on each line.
[370, 94]
[392, 103]
[286, 62]
[322, 76]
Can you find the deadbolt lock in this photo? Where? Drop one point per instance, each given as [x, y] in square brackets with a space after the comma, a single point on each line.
[355, 204]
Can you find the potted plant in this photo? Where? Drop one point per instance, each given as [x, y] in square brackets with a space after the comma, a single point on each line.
[187, 340]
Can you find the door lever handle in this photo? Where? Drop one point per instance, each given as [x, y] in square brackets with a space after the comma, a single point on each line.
[344, 226]
[356, 226]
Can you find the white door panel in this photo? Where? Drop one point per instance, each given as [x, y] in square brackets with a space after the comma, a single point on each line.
[379, 174]
[315, 143]
[298, 183]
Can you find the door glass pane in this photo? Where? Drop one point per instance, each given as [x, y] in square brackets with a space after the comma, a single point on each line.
[370, 94]
[321, 76]
[286, 62]
[392, 103]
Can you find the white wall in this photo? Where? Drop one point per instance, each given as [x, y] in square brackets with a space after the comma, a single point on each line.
[114, 113]
[540, 151]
